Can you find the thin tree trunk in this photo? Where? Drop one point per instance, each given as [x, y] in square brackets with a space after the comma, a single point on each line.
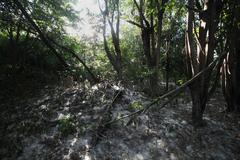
[115, 56]
[48, 44]
[227, 87]
[42, 36]
[167, 71]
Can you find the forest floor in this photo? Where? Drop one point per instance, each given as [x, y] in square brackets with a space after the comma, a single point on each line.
[52, 122]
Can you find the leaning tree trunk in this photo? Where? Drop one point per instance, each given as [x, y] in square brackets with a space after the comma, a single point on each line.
[46, 41]
[41, 35]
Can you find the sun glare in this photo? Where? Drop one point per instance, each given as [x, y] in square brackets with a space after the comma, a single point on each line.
[84, 27]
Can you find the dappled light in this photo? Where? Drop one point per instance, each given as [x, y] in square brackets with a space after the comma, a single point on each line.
[119, 80]
[72, 132]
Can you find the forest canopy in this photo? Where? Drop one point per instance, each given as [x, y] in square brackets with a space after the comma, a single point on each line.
[144, 42]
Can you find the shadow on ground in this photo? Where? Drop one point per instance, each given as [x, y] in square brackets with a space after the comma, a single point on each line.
[65, 123]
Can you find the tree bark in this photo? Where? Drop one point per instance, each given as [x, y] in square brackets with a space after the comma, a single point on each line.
[199, 59]
[231, 67]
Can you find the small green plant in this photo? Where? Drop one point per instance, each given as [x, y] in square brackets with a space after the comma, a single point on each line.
[180, 82]
[66, 125]
[136, 105]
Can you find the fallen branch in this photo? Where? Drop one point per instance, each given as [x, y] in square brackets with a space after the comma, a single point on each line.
[172, 93]
[102, 125]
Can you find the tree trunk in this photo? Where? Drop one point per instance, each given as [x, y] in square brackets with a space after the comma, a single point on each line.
[153, 81]
[198, 59]
[198, 104]
[237, 85]
[167, 70]
[48, 44]
[231, 67]
[115, 55]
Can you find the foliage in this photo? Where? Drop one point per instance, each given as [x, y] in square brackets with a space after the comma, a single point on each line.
[22, 49]
[66, 125]
[52, 16]
[136, 105]
[20, 44]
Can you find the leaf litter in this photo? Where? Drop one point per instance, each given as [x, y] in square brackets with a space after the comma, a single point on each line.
[66, 123]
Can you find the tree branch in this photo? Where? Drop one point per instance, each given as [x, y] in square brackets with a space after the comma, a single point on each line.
[94, 78]
[42, 36]
[134, 23]
[172, 93]
[140, 10]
